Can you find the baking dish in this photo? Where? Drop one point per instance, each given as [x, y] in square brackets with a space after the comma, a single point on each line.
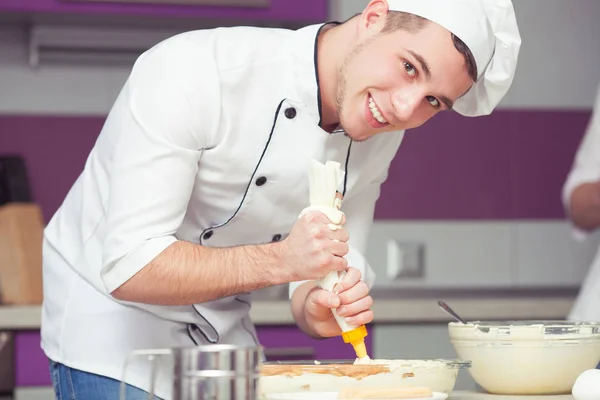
[313, 376]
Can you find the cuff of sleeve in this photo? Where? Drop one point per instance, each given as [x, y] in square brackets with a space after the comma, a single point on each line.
[114, 275]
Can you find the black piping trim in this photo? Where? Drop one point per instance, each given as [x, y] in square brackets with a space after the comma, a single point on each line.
[315, 60]
[189, 327]
[244, 322]
[209, 324]
[239, 207]
[346, 168]
[253, 173]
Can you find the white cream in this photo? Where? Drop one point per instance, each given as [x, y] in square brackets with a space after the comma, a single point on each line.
[363, 361]
[375, 112]
[526, 359]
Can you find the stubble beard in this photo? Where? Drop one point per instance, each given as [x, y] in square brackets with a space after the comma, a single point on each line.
[342, 85]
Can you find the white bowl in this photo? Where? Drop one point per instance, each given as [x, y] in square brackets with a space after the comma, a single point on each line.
[527, 357]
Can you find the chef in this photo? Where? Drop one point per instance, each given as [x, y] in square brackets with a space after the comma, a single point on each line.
[190, 198]
[581, 199]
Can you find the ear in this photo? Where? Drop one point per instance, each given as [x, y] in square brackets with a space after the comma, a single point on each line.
[373, 17]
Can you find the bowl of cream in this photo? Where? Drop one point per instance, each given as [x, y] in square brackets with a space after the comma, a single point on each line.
[527, 357]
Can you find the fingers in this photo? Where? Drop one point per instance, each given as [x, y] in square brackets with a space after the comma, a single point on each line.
[339, 249]
[337, 263]
[316, 216]
[339, 234]
[322, 226]
[343, 221]
[363, 318]
[350, 279]
[324, 298]
[355, 301]
[355, 293]
[325, 215]
[356, 307]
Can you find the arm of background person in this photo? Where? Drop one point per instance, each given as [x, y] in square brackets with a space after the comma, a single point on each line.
[581, 190]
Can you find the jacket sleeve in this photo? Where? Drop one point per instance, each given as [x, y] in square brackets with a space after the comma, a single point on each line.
[360, 209]
[586, 166]
[164, 118]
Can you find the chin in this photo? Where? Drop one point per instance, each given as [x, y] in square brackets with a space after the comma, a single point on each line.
[355, 130]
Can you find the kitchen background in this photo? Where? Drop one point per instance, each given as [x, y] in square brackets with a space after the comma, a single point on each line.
[471, 212]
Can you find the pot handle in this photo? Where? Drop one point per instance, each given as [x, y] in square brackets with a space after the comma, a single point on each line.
[151, 356]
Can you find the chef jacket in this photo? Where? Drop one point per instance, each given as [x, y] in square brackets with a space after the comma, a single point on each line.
[209, 141]
[586, 168]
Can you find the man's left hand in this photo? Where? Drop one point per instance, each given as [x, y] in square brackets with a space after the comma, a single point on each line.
[350, 297]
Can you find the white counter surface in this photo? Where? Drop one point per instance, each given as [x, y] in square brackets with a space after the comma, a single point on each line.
[46, 394]
[463, 395]
[412, 306]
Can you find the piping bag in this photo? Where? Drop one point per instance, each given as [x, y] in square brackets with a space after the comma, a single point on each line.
[324, 181]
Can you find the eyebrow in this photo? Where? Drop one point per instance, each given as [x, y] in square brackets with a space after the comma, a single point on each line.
[449, 103]
[425, 67]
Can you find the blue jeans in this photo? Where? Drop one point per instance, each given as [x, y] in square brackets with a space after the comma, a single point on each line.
[73, 384]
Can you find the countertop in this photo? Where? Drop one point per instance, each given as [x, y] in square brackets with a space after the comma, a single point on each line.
[467, 395]
[392, 305]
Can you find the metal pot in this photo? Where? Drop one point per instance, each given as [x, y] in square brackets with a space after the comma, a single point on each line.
[210, 372]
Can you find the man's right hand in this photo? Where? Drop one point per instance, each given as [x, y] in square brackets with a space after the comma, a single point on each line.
[313, 248]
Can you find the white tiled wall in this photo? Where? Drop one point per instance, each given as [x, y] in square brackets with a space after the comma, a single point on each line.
[455, 253]
[487, 254]
[546, 254]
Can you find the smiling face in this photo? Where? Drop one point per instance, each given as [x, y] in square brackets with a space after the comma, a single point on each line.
[399, 79]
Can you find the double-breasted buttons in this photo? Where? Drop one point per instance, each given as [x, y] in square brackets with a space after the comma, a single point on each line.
[261, 181]
[276, 238]
[207, 235]
[290, 113]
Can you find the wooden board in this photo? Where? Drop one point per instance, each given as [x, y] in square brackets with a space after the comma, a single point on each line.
[21, 232]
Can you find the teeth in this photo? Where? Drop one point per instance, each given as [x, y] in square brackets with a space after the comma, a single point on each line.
[375, 111]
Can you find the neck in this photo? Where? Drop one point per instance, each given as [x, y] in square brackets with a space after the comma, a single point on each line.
[333, 45]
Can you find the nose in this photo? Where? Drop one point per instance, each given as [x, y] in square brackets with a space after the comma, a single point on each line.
[405, 102]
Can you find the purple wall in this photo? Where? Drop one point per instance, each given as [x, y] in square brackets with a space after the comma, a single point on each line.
[55, 151]
[508, 165]
[31, 364]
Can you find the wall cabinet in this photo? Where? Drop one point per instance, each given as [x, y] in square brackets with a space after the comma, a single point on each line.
[238, 10]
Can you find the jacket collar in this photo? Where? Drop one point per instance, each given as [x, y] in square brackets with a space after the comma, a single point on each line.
[304, 56]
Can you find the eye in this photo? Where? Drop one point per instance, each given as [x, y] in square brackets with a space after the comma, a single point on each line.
[433, 101]
[410, 70]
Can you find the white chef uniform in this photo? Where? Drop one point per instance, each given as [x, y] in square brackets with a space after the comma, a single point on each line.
[586, 168]
[208, 142]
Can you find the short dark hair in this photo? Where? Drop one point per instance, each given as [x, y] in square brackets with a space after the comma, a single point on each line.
[396, 20]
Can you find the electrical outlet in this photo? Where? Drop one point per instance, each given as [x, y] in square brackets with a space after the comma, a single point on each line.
[405, 259]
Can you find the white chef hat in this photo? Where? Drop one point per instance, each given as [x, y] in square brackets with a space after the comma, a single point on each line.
[489, 29]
